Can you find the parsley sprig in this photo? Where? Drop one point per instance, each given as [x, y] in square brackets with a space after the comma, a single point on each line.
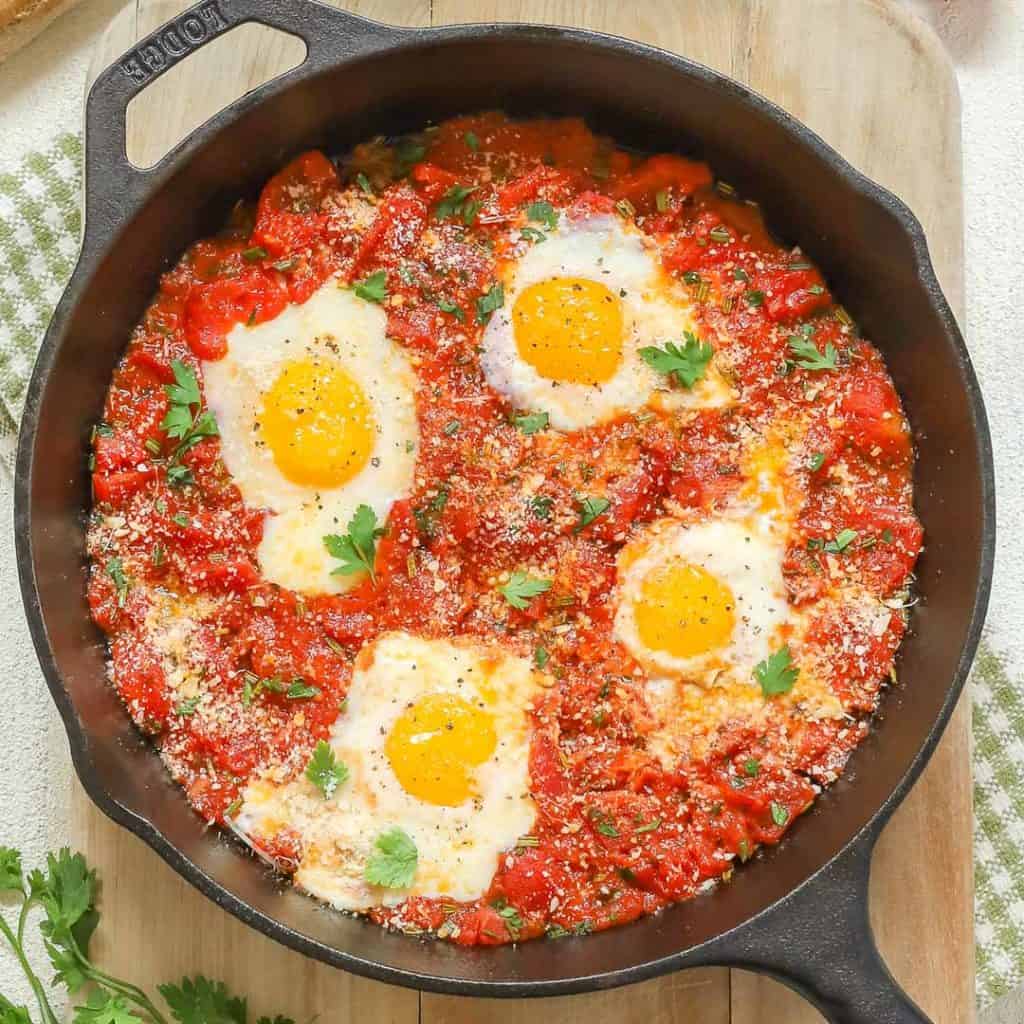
[776, 673]
[522, 587]
[683, 364]
[373, 288]
[185, 422]
[325, 771]
[393, 862]
[357, 549]
[806, 354]
[64, 895]
[589, 509]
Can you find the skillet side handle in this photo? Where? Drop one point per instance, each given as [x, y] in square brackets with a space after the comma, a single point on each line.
[114, 186]
[819, 942]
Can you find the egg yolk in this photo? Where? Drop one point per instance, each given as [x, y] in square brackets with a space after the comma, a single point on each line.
[569, 329]
[684, 611]
[318, 424]
[436, 743]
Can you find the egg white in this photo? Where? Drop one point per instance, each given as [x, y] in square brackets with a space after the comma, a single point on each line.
[655, 310]
[333, 324]
[459, 846]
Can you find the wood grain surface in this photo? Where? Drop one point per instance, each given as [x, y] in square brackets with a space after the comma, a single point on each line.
[877, 86]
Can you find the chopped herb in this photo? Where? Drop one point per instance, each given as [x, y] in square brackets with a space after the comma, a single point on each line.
[357, 548]
[522, 587]
[776, 674]
[844, 538]
[325, 771]
[373, 288]
[739, 274]
[257, 252]
[393, 864]
[181, 519]
[692, 277]
[446, 305]
[540, 506]
[683, 364]
[286, 265]
[583, 928]
[427, 516]
[527, 842]
[754, 298]
[529, 234]
[334, 646]
[182, 423]
[299, 690]
[513, 922]
[807, 355]
[751, 767]
[779, 814]
[625, 208]
[531, 423]
[152, 446]
[493, 299]
[720, 234]
[843, 316]
[179, 476]
[599, 717]
[104, 430]
[364, 183]
[661, 200]
[470, 209]
[541, 656]
[723, 188]
[452, 427]
[649, 827]
[606, 827]
[472, 141]
[887, 536]
[556, 931]
[589, 510]
[452, 201]
[233, 808]
[542, 212]
[816, 289]
[157, 556]
[115, 570]
[187, 707]
[743, 850]
[408, 153]
[817, 461]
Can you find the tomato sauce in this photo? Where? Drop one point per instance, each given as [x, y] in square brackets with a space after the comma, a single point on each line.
[617, 834]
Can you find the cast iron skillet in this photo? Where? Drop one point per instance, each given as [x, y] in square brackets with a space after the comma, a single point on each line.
[800, 912]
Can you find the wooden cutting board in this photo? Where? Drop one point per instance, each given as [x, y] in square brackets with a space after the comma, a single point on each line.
[877, 85]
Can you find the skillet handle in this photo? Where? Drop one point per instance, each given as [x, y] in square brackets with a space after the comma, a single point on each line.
[114, 186]
[819, 942]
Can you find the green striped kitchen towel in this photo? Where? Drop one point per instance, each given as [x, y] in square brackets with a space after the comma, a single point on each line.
[40, 221]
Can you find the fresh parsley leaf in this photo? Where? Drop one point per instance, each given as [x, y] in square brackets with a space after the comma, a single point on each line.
[446, 305]
[531, 423]
[529, 234]
[817, 461]
[779, 814]
[486, 304]
[472, 141]
[364, 184]
[257, 252]
[739, 274]
[511, 917]
[11, 878]
[470, 209]
[684, 364]
[542, 212]
[752, 767]
[183, 424]
[300, 690]
[103, 1007]
[393, 864]
[373, 288]
[357, 548]
[776, 673]
[187, 707]
[540, 506]
[122, 584]
[521, 587]
[185, 389]
[589, 510]
[179, 476]
[541, 656]
[325, 771]
[606, 827]
[181, 519]
[887, 536]
[452, 201]
[807, 356]
[754, 298]
[844, 538]
[67, 893]
[201, 1001]
[67, 968]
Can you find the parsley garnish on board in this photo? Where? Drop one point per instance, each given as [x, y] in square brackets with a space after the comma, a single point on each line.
[589, 510]
[183, 423]
[357, 548]
[393, 862]
[63, 895]
[522, 587]
[776, 673]
[325, 771]
[683, 364]
[373, 288]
